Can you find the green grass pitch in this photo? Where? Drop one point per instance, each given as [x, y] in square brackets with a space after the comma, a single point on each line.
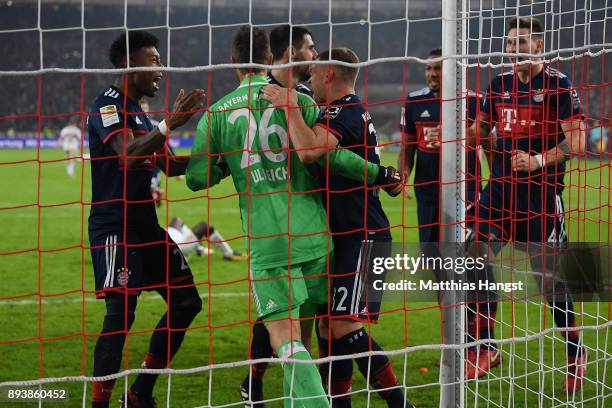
[56, 337]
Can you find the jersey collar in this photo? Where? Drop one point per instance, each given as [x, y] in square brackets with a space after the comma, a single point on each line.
[270, 78]
[253, 80]
[533, 78]
[346, 99]
[123, 96]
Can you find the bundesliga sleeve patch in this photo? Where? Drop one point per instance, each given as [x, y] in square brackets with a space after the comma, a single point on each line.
[575, 100]
[332, 112]
[109, 115]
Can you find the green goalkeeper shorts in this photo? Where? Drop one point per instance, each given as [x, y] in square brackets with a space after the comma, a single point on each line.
[280, 294]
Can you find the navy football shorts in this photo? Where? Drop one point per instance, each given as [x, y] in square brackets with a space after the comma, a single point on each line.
[350, 295]
[522, 213]
[150, 261]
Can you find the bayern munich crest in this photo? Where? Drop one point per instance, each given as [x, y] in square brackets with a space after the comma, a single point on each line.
[538, 96]
[123, 276]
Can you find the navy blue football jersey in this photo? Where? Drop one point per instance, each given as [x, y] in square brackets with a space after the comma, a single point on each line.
[349, 204]
[526, 117]
[420, 114]
[111, 183]
[301, 88]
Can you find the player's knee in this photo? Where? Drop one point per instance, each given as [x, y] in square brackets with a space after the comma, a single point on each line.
[189, 307]
[119, 314]
[342, 327]
[323, 327]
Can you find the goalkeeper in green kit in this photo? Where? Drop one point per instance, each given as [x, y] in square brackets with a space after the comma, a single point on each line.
[280, 204]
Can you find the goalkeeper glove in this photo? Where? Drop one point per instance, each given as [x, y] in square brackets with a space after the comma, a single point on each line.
[390, 180]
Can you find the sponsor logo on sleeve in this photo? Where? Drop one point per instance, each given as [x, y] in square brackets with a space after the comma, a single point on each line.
[109, 115]
[333, 112]
[575, 99]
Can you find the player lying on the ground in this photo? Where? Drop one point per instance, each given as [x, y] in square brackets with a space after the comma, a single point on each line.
[130, 251]
[189, 240]
[539, 125]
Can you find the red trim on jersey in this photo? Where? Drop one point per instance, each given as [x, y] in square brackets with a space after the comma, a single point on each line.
[177, 279]
[430, 150]
[101, 294]
[330, 130]
[113, 133]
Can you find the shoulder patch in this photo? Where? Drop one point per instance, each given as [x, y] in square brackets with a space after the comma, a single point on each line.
[303, 89]
[553, 72]
[502, 78]
[332, 112]
[111, 93]
[109, 115]
[575, 100]
[420, 92]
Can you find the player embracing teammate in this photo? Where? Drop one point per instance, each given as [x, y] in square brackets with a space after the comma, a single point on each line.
[357, 222]
[289, 246]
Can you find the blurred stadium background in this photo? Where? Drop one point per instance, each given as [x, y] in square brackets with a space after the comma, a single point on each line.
[48, 325]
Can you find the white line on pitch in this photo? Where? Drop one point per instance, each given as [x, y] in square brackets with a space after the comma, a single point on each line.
[92, 299]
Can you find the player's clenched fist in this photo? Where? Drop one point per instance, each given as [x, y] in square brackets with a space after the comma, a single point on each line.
[390, 180]
[523, 161]
[185, 106]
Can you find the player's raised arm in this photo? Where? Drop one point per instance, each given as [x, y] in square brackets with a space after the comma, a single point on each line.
[183, 109]
[135, 150]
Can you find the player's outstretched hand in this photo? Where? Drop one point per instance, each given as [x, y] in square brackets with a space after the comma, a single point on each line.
[185, 106]
[279, 96]
[390, 180]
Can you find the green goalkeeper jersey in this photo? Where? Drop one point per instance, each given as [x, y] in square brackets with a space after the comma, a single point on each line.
[282, 214]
